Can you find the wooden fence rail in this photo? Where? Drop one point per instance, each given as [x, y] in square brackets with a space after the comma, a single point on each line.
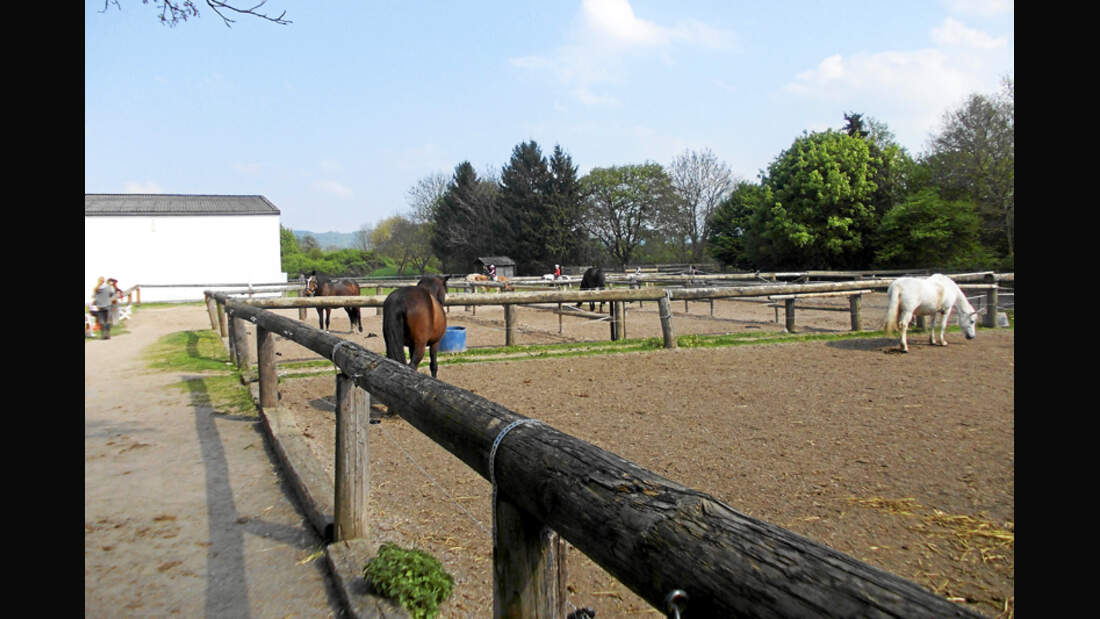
[654, 535]
[663, 295]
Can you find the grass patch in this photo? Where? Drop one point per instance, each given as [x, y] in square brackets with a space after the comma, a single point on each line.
[585, 349]
[218, 383]
[189, 351]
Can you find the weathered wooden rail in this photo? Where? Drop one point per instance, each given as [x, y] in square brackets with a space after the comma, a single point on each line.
[654, 535]
[662, 295]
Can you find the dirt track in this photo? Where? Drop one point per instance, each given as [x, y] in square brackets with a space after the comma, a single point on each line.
[185, 513]
[904, 461]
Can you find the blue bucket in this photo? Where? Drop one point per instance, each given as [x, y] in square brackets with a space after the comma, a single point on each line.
[454, 340]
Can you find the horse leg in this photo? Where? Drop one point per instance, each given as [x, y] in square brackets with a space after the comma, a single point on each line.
[353, 318]
[943, 328]
[416, 354]
[434, 365]
[321, 318]
[903, 328]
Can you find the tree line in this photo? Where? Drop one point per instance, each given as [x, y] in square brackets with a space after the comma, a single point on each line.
[845, 198]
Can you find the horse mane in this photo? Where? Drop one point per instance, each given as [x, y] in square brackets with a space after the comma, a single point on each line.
[436, 285]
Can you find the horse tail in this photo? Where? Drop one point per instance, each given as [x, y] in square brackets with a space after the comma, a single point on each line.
[893, 307]
[393, 329]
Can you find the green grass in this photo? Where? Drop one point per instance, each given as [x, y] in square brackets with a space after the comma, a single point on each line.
[216, 383]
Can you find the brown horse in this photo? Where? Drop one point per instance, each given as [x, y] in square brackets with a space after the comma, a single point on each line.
[413, 317]
[321, 286]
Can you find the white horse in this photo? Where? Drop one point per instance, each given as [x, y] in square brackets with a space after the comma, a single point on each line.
[934, 296]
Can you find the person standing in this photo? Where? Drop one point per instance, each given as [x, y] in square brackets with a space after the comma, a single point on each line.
[102, 296]
[116, 294]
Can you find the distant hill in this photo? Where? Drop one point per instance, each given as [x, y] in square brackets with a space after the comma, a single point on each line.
[326, 240]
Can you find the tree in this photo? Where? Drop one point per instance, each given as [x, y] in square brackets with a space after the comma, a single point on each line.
[728, 225]
[973, 158]
[464, 221]
[565, 204]
[404, 241]
[928, 231]
[524, 208]
[702, 182]
[622, 203]
[816, 209]
[424, 197]
[363, 237]
[172, 12]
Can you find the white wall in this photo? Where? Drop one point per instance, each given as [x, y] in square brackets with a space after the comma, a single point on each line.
[212, 249]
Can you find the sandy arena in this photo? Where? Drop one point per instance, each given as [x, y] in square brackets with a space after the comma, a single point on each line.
[904, 461]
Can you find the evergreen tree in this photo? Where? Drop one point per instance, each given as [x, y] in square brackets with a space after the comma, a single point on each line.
[563, 236]
[524, 207]
[463, 226]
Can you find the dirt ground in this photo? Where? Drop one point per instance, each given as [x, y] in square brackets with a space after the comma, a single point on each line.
[904, 461]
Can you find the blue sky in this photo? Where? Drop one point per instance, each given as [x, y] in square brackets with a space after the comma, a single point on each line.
[337, 115]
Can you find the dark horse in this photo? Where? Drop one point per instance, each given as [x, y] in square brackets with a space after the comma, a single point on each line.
[321, 286]
[593, 279]
[413, 316]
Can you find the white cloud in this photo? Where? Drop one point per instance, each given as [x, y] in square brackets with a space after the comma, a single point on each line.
[141, 187]
[610, 35]
[954, 33]
[615, 20]
[333, 187]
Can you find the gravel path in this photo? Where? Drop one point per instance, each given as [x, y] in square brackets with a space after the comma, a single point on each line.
[184, 512]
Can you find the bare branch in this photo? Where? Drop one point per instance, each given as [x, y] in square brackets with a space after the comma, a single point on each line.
[173, 12]
[216, 5]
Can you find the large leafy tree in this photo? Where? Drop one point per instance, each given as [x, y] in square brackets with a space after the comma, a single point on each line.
[701, 181]
[973, 158]
[930, 232]
[404, 241]
[622, 203]
[817, 207]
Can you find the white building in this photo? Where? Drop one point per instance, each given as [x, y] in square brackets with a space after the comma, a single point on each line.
[176, 246]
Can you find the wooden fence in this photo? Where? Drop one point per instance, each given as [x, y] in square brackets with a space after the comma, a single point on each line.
[659, 538]
[788, 293]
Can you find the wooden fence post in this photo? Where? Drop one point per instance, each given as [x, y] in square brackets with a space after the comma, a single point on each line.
[223, 329]
[265, 362]
[788, 308]
[509, 324]
[212, 311]
[664, 308]
[854, 303]
[991, 302]
[529, 574]
[239, 337]
[352, 460]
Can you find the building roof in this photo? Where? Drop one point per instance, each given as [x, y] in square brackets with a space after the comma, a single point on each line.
[497, 260]
[116, 204]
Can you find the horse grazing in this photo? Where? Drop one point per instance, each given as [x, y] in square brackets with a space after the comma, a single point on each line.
[321, 286]
[934, 296]
[413, 317]
[593, 279]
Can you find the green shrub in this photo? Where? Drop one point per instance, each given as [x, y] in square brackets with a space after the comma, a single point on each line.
[413, 578]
